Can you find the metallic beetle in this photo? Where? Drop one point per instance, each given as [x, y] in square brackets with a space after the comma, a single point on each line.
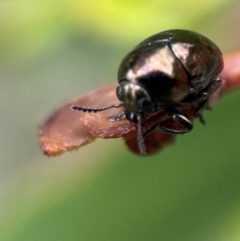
[167, 69]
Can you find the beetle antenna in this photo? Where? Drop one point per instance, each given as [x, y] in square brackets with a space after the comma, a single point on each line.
[94, 110]
[141, 144]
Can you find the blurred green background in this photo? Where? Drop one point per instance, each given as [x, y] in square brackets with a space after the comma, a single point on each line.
[53, 51]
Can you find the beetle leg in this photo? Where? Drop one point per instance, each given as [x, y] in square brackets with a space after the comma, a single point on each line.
[191, 99]
[204, 94]
[203, 97]
[150, 130]
[204, 104]
[117, 117]
[178, 117]
[163, 129]
[210, 89]
[201, 119]
[200, 108]
[171, 131]
[213, 86]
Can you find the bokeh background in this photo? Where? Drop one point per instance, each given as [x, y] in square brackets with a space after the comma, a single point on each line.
[54, 51]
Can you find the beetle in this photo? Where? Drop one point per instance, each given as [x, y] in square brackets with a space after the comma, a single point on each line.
[167, 70]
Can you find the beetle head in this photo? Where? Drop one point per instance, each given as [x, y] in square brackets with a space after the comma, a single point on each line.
[135, 98]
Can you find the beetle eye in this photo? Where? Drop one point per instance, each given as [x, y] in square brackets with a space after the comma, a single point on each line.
[119, 93]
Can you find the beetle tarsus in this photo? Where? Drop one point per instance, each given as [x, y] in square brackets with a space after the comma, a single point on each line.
[117, 117]
[201, 119]
[200, 108]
